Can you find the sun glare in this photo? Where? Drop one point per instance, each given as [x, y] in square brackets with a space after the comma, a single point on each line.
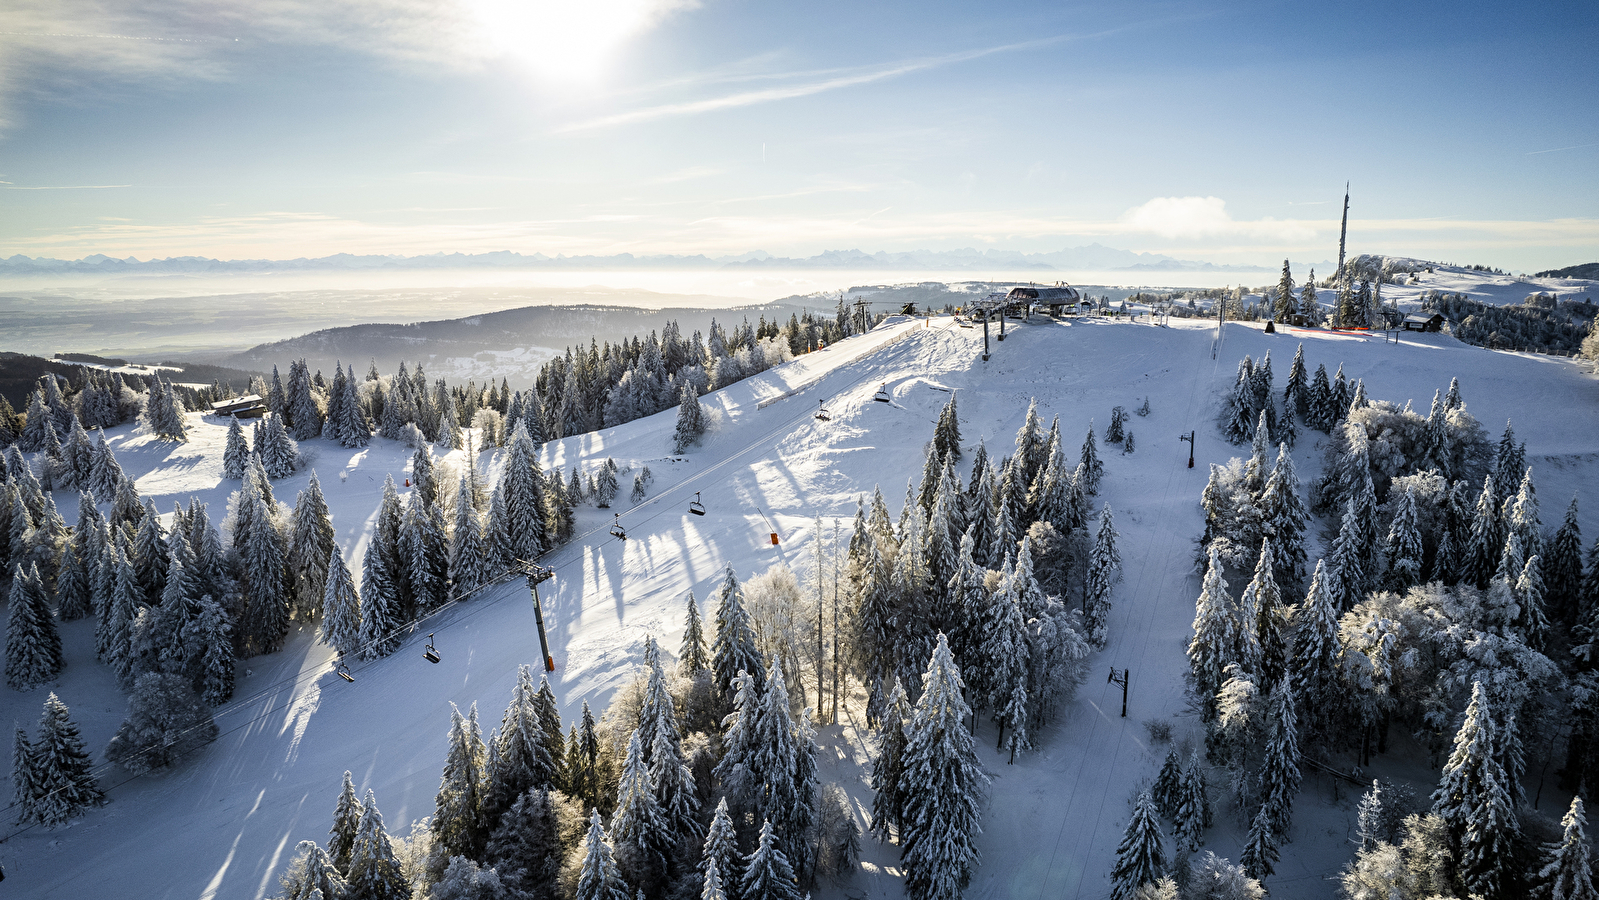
[563, 40]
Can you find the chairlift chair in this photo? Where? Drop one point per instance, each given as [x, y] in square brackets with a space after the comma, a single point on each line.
[342, 670]
[617, 531]
[821, 412]
[695, 506]
[882, 395]
[430, 653]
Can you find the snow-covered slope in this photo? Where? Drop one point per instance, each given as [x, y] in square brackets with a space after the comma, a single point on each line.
[224, 823]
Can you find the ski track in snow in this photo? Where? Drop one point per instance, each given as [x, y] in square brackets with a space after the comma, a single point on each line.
[226, 821]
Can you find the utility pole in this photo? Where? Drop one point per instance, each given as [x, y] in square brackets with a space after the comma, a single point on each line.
[835, 621]
[1122, 680]
[1343, 232]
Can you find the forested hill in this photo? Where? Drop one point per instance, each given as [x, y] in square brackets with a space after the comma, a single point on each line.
[538, 328]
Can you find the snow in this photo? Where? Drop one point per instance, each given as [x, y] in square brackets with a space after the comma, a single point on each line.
[225, 823]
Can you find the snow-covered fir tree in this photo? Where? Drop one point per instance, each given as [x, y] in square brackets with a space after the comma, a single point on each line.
[521, 759]
[1473, 799]
[694, 656]
[522, 485]
[459, 825]
[720, 853]
[1567, 873]
[889, 765]
[33, 644]
[469, 552]
[237, 451]
[166, 722]
[639, 828]
[690, 420]
[373, 872]
[599, 878]
[60, 774]
[341, 608]
[1562, 571]
[209, 634]
[424, 553]
[1168, 786]
[1104, 564]
[733, 650]
[768, 874]
[346, 824]
[1141, 857]
[1314, 669]
[311, 547]
[1214, 635]
[1280, 775]
[941, 786]
[311, 875]
[382, 618]
[1089, 464]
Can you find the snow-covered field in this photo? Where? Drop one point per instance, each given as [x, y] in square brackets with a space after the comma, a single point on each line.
[224, 823]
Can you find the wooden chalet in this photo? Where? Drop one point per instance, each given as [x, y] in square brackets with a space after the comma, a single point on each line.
[250, 406]
[1434, 322]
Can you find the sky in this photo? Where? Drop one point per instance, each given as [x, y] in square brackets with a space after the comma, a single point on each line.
[1203, 130]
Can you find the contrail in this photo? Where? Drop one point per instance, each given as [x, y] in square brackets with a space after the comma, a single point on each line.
[113, 37]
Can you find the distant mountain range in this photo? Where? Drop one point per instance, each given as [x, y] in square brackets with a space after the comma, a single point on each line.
[1092, 256]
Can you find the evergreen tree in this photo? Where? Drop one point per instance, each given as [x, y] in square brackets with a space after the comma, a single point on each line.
[640, 829]
[373, 872]
[1486, 538]
[733, 649]
[1089, 464]
[1562, 570]
[599, 879]
[1474, 801]
[768, 874]
[62, 777]
[382, 619]
[210, 635]
[74, 592]
[469, 552]
[522, 759]
[690, 420]
[522, 484]
[889, 765]
[1104, 564]
[1193, 809]
[346, 824]
[237, 452]
[312, 546]
[1280, 774]
[1402, 550]
[526, 847]
[941, 786]
[266, 609]
[1259, 858]
[1347, 562]
[424, 549]
[24, 777]
[1141, 858]
[721, 849]
[1214, 634]
[166, 722]
[1567, 873]
[1168, 788]
[459, 825]
[311, 875]
[33, 645]
[694, 656]
[711, 880]
[1313, 674]
[947, 434]
[341, 608]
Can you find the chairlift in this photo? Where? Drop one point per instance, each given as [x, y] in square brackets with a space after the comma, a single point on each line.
[617, 531]
[821, 412]
[695, 506]
[430, 653]
[342, 670]
[882, 395]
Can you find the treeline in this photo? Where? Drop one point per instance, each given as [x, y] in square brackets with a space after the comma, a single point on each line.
[1539, 324]
[1443, 609]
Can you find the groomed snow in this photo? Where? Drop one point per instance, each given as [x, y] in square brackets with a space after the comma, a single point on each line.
[224, 823]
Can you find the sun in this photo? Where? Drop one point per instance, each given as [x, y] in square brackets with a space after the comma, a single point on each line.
[566, 40]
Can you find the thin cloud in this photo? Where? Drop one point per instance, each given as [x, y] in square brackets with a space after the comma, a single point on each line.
[1559, 149]
[8, 186]
[793, 91]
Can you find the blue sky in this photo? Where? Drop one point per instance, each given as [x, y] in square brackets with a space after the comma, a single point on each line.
[1217, 131]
